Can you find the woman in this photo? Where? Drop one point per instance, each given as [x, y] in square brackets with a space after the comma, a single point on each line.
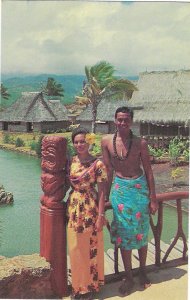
[86, 218]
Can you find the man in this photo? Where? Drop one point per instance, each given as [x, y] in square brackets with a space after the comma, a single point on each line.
[132, 193]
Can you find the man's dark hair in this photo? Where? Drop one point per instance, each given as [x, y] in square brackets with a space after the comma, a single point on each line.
[77, 131]
[124, 109]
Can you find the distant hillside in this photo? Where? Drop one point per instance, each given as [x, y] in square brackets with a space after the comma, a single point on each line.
[72, 85]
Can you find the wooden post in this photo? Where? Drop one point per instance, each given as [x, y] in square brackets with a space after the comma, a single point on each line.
[53, 213]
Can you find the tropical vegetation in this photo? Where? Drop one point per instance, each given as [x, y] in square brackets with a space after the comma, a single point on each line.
[52, 88]
[4, 92]
[31, 142]
[101, 83]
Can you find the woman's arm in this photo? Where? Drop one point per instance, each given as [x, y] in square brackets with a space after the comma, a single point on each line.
[107, 162]
[66, 175]
[101, 205]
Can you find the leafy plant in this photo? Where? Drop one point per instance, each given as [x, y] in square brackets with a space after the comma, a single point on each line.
[8, 139]
[174, 150]
[39, 146]
[186, 154]
[53, 88]
[96, 150]
[33, 145]
[4, 92]
[156, 152]
[70, 148]
[19, 142]
[176, 173]
[100, 83]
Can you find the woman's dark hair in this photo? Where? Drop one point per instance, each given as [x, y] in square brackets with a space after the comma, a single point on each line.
[124, 109]
[77, 131]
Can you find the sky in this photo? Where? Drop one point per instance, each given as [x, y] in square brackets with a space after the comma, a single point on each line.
[62, 37]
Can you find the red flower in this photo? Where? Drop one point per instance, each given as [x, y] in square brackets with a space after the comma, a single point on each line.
[116, 186]
[138, 186]
[139, 236]
[120, 207]
[138, 215]
[119, 240]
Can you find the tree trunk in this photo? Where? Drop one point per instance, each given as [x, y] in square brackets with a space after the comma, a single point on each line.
[94, 114]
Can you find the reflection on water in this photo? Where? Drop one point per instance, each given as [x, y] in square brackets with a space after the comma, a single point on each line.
[19, 223]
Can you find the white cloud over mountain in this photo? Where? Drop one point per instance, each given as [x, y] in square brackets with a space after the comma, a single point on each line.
[63, 36]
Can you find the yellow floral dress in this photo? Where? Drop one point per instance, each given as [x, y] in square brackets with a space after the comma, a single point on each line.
[86, 247]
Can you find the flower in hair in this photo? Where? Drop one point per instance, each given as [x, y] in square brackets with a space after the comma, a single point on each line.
[90, 138]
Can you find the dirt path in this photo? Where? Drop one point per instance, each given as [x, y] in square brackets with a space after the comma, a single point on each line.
[164, 181]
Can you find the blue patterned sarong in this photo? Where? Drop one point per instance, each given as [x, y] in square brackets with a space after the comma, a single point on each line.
[130, 202]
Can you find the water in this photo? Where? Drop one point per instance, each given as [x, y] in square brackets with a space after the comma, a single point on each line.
[20, 222]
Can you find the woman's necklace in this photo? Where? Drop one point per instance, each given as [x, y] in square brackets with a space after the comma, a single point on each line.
[87, 160]
[129, 147]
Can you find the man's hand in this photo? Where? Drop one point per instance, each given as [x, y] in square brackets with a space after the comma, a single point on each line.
[153, 204]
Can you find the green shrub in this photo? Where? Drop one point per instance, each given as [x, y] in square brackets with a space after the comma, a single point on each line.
[39, 146]
[186, 154]
[19, 142]
[8, 139]
[174, 151]
[96, 150]
[70, 148]
[33, 145]
[156, 152]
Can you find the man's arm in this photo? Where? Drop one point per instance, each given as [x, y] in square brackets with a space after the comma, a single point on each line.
[107, 162]
[145, 158]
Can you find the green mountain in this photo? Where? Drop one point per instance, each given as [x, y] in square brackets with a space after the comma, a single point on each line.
[72, 85]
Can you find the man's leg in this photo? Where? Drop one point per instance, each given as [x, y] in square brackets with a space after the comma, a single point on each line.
[127, 283]
[142, 271]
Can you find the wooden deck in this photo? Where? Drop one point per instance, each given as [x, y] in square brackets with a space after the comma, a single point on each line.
[176, 253]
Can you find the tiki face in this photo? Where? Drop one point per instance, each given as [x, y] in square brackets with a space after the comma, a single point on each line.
[51, 183]
[53, 153]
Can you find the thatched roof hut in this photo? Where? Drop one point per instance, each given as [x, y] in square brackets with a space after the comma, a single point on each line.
[165, 101]
[105, 112]
[32, 111]
[161, 105]
[164, 97]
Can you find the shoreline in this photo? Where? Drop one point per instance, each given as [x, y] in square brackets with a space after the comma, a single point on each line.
[18, 150]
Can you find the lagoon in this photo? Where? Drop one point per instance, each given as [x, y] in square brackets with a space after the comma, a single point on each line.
[20, 222]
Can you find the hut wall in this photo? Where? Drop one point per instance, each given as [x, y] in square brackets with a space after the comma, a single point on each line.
[17, 127]
[44, 126]
[100, 127]
[135, 128]
[86, 124]
[163, 130]
[111, 127]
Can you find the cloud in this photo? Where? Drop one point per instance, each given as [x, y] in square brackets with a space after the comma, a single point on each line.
[64, 36]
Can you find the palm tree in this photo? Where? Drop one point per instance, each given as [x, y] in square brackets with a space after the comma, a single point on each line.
[4, 92]
[53, 88]
[102, 83]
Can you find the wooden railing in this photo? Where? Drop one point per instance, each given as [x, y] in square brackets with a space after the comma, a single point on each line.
[157, 229]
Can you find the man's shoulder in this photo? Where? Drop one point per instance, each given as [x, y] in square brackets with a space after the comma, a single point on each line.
[107, 138]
